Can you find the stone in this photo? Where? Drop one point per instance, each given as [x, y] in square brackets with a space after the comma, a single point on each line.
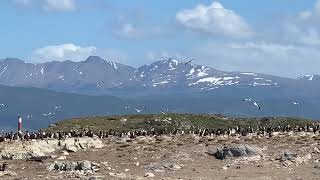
[117, 174]
[164, 138]
[64, 153]
[79, 166]
[36, 148]
[62, 158]
[149, 174]
[288, 156]
[224, 168]
[173, 167]
[94, 164]
[71, 148]
[85, 165]
[53, 156]
[237, 150]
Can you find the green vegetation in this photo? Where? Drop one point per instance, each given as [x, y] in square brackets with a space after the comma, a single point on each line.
[171, 121]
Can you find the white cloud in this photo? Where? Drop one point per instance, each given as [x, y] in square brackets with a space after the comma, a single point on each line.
[304, 28]
[75, 53]
[214, 19]
[59, 5]
[269, 58]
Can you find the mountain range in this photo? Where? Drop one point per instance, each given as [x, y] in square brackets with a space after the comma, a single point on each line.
[96, 76]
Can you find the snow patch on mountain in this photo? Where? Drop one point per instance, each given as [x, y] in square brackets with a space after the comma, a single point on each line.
[249, 73]
[4, 70]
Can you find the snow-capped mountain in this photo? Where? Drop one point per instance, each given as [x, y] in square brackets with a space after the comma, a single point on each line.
[172, 73]
[310, 77]
[98, 76]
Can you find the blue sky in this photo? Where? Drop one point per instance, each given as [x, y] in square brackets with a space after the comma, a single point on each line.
[269, 36]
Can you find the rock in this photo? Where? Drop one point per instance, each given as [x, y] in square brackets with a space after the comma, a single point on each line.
[237, 150]
[38, 158]
[51, 167]
[36, 148]
[70, 166]
[164, 138]
[224, 168]
[173, 167]
[287, 156]
[62, 157]
[94, 164]
[149, 174]
[53, 156]
[70, 148]
[85, 165]
[81, 166]
[64, 153]
[7, 173]
[117, 174]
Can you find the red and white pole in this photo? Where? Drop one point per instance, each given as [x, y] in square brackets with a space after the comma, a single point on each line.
[19, 125]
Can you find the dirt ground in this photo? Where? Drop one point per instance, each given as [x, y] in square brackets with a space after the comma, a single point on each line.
[185, 157]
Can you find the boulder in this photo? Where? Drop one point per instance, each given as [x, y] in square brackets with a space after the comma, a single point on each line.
[85, 165]
[236, 150]
[40, 148]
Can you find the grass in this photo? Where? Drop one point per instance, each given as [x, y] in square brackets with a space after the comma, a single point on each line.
[171, 121]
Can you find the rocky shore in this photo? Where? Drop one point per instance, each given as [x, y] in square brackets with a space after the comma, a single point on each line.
[282, 156]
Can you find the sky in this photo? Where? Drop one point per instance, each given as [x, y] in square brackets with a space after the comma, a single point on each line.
[278, 37]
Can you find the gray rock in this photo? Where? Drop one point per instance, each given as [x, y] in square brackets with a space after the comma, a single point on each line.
[81, 166]
[85, 165]
[70, 166]
[288, 156]
[237, 150]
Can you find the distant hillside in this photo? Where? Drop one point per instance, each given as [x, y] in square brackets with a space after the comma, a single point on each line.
[171, 122]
